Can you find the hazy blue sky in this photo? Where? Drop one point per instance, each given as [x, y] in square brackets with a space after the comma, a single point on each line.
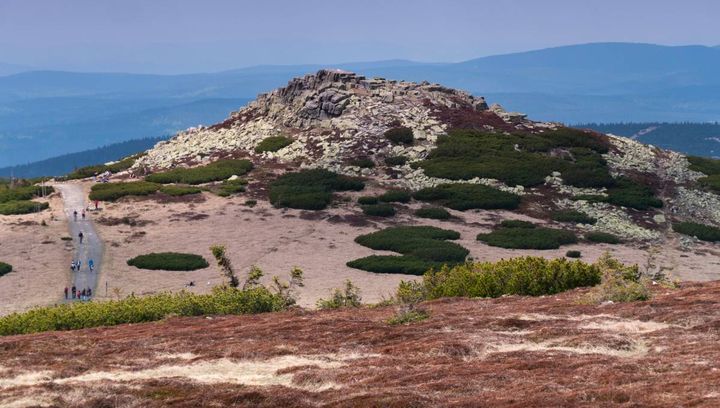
[173, 36]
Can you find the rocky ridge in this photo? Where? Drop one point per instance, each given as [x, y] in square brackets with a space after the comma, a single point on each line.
[335, 116]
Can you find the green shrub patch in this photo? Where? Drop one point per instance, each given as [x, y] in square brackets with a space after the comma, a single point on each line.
[5, 268]
[525, 276]
[517, 224]
[219, 170]
[169, 261]
[134, 309]
[400, 135]
[520, 159]
[368, 200]
[178, 190]
[436, 213]
[310, 189]
[395, 196]
[528, 238]
[273, 144]
[700, 231]
[230, 187]
[704, 165]
[711, 183]
[573, 254]
[422, 248]
[89, 171]
[463, 197]
[573, 216]
[379, 210]
[23, 193]
[396, 160]
[22, 207]
[628, 193]
[114, 191]
[602, 237]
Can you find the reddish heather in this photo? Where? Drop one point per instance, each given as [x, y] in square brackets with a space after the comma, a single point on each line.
[511, 352]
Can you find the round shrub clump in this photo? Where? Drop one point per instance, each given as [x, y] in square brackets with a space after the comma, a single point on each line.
[516, 224]
[396, 160]
[169, 261]
[5, 268]
[367, 200]
[273, 144]
[528, 238]
[573, 254]
[602, 237]
[310, 189]
[114, 191]
[436, 213]
[22, 207]
[400, 135]
[462, 196]
[395, 196]
[178, 191]
[216, 171]
[379, 210]
[700, 231]
[575, 217]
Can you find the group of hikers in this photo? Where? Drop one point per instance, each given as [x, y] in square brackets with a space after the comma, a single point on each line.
[75, 293]
[75, 265]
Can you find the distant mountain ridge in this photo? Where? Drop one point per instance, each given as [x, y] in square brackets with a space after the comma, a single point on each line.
[602, 82]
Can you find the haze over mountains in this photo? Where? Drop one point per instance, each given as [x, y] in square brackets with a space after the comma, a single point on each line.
[47, 113]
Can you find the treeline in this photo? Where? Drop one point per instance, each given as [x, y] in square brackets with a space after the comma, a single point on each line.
[65, 164]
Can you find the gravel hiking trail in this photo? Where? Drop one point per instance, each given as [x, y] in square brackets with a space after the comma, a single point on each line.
[91, 247]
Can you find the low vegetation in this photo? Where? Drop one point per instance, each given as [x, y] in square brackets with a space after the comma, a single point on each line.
[525, 276]
[516, 224]
[422, 248]
[395, 196]
[368, 200]
[409, 317]
[363, 163]
[231, 187]
[89, 171]
[348, 296]
[273, 144]
[704, 165]
[216, 171]
[179, 190]
[23, 192]
[114, 191]
[379, 210]
[619, 283]
[521, 159]
[463, 197]
[602, 237]
[573, 254]
[396, 160]
[400, 135]
[572, 216]
[700, 231]
[628, 193]
[169, 261]
[711, 183]
[436, 213]
[22, 207]
[5, 268]
[310, 189]
[80, 315]
[525, 237]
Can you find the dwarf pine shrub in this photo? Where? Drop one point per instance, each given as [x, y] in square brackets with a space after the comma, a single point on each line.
[169, 261]
[5, 268]
[528, 238]
[310, 189]
[114, 191]
[379, 210]
[400, 135]
[573, 216]
[216, 171]
[273, 144]
[22, 207]
[700, 231]
[463, 197]
[436, 213]
[179, 190]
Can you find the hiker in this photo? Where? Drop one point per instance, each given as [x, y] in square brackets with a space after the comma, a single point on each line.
[91, 265]
[96, 204]
[72, 266]
[73, 292]
[89, 293]
[75, 214]
[80, 235]
[77, 265]
[66, 292]
[83, 215]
